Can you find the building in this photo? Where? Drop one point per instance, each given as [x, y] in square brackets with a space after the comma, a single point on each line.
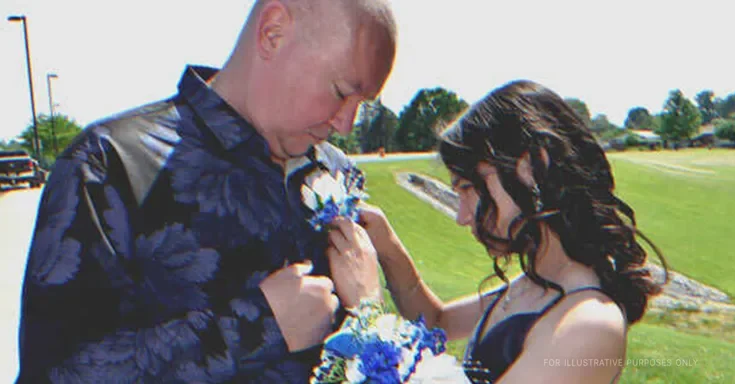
[638, 138]
[705, 137]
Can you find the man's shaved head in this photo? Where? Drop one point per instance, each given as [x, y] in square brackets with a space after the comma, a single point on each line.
[301, 67]
[324, 21]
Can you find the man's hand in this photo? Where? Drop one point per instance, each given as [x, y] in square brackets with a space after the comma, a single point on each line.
[353, 263]
[304, 306]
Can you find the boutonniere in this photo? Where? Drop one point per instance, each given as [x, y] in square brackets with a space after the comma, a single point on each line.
[332, 195]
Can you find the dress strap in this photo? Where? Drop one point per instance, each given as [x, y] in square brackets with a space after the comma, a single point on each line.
[565, 294]
[481, 324]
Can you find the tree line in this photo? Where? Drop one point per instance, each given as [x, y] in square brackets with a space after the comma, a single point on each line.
[417, 126]
[415, 129]
[679, 120]
[54, 134]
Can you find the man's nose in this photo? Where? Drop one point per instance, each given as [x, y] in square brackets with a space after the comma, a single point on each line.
[344, 119]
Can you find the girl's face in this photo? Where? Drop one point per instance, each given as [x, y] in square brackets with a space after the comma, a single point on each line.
[506, 208]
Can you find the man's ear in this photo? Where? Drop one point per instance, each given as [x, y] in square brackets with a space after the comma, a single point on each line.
[524, 169]
[274, 21]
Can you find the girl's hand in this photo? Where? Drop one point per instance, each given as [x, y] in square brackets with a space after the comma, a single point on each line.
[353, 262]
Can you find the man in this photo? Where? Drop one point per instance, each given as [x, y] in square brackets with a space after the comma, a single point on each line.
[171, 242]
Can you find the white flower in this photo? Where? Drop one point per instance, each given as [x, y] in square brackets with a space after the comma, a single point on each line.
[321, 183]
[309, 197]
[386, 326]
[408, 360]
[442, 369]
[352, 372]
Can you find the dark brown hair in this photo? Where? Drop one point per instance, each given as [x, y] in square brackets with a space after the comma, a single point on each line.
[596, 228]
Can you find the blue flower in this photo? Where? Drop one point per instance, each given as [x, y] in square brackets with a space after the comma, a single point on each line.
[434, 339]
[380, 361]
[343, 344]
[326, 215]
[349, 209]
[354, 178]
[332, 196]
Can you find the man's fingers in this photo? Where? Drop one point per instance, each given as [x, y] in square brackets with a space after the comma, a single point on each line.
[303, 268]
[322, 281]
[333, 303]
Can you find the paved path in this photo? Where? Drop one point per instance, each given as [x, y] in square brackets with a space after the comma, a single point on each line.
[18, 212]
[372, 157]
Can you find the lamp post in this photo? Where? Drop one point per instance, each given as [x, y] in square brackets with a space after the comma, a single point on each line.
[50, 76]
[24, 21]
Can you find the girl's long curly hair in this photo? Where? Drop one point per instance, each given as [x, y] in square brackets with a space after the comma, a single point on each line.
[596, 228]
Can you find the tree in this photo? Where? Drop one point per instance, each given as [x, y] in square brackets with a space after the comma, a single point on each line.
[656, 122]
[639, 118]
[10, 145]
[65, 129]
[600, 124]
[603, 129]
[680, 118]
[580, 107]
[725, 129]
[378, 126]
[706, 104]
[349, 144]
[429, 112]
[726, 107]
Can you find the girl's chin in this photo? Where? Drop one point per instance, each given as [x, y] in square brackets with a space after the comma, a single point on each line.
[499, 254]
[499, 250]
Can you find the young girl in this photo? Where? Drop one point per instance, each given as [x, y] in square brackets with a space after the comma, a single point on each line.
[534, 186]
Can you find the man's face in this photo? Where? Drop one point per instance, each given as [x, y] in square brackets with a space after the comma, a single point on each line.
[316, 89]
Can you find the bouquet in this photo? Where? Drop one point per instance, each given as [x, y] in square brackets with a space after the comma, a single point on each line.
[330, 196]
[373, 346]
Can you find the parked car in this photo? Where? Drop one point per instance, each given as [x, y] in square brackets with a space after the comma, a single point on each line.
[17, 167]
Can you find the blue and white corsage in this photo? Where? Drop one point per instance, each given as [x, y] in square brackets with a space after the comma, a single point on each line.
[330, 196]
[373, 346]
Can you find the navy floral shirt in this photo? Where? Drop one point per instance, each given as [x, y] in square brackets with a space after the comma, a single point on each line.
[153, 234]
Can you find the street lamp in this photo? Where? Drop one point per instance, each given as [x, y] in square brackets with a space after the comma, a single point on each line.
[50, 76]
[36, 144]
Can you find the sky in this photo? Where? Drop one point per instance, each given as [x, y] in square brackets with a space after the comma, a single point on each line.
[614, 55]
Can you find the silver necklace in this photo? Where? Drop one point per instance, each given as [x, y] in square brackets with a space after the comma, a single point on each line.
[507, 297]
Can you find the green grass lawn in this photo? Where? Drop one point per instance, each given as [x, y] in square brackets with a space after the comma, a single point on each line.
[679, 357]
[681, 201]
[684, 202]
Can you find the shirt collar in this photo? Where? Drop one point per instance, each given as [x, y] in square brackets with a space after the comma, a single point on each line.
[324, 155]
[228, 126]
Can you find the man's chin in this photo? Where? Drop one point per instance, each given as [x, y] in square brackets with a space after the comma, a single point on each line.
[296, 152]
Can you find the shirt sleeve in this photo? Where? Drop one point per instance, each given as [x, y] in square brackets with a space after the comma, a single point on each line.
[66, 299]
[101, 300]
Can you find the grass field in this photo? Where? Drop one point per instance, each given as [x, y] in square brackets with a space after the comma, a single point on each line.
[682, 201]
